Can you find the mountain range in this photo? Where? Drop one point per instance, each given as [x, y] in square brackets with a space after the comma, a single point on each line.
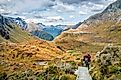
[10, 31]
[61, 47]
[46, 32]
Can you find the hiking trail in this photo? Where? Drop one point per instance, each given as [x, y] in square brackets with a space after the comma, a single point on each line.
[83, 74]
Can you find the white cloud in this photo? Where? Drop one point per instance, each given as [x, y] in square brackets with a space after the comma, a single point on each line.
[55, 17]
[32, 20]
[53, 11]
[26, 5]
[72, 16]
[82, 13]
[3, 1]
[60, 7]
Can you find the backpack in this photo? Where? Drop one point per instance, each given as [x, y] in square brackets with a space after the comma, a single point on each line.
[86, 59]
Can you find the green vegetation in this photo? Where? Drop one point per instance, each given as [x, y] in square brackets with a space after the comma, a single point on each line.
[52, 72]
[16, 57]
[19, 35]
[43, 35]
[107, 66]
[10, 31]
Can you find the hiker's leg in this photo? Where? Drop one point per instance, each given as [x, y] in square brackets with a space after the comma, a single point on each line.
[88, 65]
[83, 63]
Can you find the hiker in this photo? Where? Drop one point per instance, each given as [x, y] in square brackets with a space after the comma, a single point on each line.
[86, 60]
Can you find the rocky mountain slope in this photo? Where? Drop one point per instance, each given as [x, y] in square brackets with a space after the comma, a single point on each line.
[97, 29]
[20, 22]
[43, 35]
[40, 30]
[10, 31]
[37, 30]
[53, 30]
[46, 32]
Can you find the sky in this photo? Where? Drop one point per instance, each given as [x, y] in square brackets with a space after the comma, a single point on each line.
[53, 12]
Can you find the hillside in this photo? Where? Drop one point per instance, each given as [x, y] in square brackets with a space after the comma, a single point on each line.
[31, 60]
[10, 31]
[20, 22]
[23, 56]
[43, 35]
[107, 65]
[97, 31]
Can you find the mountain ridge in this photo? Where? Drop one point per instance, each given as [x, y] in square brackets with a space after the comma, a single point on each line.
[13, 32]
[102, 27]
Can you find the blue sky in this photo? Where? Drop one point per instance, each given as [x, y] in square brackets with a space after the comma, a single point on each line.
[53, 11]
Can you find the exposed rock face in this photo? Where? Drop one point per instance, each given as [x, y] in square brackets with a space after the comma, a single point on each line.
[111, 14]
[107, 66]
[115, 7]
[3, 32]
[21, 23]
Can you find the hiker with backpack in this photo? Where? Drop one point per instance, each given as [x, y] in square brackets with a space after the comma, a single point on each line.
[86, 60]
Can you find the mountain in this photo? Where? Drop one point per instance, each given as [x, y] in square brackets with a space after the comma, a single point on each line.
[102, 28]
[112, 13]
[10, 31]
[114, 7]
[40, 30]
[41, 26]
[43, 35]
[76, 26]
[46, 32]
[57, 29]
[32, 27]
[98, 31]
[37, 30]
[20, 22]
[54, 31]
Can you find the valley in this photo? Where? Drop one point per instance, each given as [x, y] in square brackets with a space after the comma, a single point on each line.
[35, 51]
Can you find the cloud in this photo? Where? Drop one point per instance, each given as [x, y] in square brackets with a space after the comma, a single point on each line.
[55, 19]
[53, 10]
[82, 1]
[26, 5]
[23, 5]
[3, 1]
[82, 13]
[72, 16]
[60, 7]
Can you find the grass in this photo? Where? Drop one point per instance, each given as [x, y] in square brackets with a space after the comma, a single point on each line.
[18, 58]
